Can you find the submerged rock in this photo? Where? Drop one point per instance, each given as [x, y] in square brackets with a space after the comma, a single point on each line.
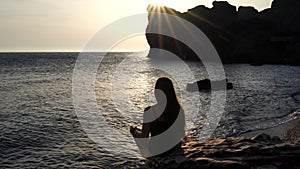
[262, 151]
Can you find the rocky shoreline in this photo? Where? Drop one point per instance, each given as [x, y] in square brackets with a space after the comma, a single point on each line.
[260, 152]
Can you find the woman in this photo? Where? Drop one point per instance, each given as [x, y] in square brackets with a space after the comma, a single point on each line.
[163, 121]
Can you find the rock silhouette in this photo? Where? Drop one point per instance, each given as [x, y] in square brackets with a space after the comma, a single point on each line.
[242, 35]
[205, 84]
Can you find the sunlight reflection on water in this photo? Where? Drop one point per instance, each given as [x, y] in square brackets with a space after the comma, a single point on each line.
[39, 127]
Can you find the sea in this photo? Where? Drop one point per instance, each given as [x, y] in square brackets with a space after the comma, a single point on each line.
[41, 127]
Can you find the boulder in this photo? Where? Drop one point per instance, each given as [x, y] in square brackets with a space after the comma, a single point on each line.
[206, 84]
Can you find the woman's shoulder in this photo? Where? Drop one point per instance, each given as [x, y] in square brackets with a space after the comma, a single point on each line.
[150, 107]
[147, 108]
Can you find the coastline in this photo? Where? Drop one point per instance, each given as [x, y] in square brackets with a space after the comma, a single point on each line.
[282, 130]
[277, 147]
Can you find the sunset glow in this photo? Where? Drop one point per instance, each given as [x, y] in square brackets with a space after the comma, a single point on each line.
[168, 3]
[66, 25]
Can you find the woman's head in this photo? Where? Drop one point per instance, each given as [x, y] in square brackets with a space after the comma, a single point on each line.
[166, 96]
[164, 91]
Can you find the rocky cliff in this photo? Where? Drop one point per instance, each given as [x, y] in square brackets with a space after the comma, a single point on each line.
[242, 35]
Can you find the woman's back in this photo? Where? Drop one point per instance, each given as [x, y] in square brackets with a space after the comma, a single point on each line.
[163, 123]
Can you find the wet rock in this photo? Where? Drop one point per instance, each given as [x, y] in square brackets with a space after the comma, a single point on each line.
[206, 84]
[293, 134]
[262, 138]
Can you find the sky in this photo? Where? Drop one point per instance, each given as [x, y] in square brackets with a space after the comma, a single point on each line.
[66, 25]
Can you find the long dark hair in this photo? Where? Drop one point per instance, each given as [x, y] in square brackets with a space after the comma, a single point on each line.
[173, 107]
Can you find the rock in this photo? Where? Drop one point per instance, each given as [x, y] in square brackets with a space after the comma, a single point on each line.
[206, 85]
[245, 35]
[276, 140]
[293, 134]
[262, 138]
[261, 151]
[247, 13]
[293, 54]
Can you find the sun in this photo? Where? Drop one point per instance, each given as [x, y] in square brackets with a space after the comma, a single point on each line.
[168, 3]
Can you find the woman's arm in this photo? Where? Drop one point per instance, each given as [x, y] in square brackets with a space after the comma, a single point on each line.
[144, 132]
[143, 144]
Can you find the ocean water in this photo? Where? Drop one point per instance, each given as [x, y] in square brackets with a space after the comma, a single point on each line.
[40, 128]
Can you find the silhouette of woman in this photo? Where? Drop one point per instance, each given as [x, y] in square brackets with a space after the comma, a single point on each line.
[161, 117]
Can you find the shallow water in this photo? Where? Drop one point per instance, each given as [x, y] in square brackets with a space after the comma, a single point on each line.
[40, 129]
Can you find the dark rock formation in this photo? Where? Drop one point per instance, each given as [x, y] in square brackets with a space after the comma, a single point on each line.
[206, 85]
[271, 36]
[261, 151]
[247, 13]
